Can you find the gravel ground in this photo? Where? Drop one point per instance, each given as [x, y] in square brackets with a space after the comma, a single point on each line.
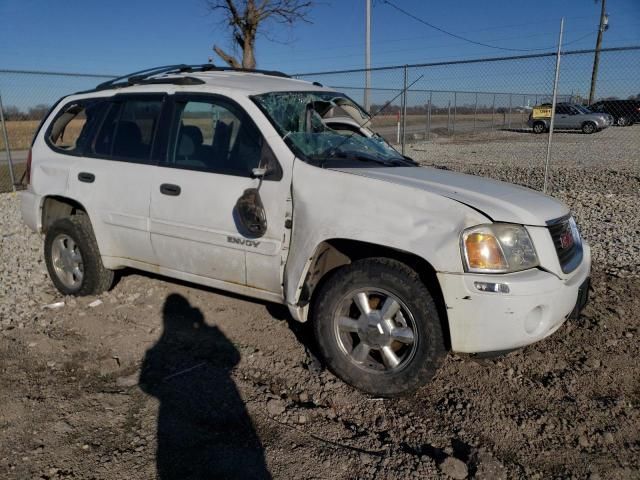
[120, 389]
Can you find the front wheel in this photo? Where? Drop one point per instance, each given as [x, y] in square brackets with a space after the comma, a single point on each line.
[378, 328]
[73, 259]
[588, 128]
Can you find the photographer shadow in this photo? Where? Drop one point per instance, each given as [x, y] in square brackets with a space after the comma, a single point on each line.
[204, 430]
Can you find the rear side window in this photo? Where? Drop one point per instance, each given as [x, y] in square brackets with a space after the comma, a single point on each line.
[128, 130]
[71, 129]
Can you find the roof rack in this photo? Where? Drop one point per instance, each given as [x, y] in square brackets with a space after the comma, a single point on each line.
[145, 76]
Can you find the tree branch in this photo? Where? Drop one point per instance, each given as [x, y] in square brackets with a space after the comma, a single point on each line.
[229, 59]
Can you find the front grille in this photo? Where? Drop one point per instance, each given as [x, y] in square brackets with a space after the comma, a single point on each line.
[567, 242]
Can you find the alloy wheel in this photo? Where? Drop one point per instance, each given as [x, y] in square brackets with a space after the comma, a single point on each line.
[67, 261]
[375, 330]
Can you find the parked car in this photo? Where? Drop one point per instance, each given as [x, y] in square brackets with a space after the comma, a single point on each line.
[624, 112]
[568, 116]
[231, 179]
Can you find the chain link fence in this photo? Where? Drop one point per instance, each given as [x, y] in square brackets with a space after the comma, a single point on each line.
[470, 116]
[474, 116]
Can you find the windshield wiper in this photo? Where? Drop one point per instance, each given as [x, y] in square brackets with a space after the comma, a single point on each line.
[391, 162]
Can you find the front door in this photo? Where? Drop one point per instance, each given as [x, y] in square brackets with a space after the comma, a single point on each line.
[213, 148]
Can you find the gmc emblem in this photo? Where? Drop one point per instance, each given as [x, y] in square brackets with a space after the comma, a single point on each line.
[566, 239]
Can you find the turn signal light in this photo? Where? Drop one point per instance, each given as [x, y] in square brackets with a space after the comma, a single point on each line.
[484, 252]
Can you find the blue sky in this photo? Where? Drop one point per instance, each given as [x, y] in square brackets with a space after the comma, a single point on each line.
[121, 36]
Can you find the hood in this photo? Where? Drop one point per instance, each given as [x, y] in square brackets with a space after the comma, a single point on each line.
[499, 201]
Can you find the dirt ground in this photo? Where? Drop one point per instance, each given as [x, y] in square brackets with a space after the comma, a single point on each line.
[181, 377]
[163, 379]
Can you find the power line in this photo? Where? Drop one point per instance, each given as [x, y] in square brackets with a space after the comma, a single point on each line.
[468, 40]
[395, 51]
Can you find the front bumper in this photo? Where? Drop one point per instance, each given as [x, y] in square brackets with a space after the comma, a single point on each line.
[537, 305]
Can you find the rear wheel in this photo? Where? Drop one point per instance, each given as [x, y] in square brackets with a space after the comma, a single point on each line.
[539, 127]
[73, 259]
[378, 328]
[588, 127]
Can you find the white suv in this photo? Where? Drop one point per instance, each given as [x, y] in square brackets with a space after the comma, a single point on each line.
[236, 180]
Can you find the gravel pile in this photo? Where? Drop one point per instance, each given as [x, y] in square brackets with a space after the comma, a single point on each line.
[24, 283]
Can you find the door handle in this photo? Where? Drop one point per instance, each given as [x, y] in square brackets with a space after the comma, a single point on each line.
[170, 189]
[86, 177]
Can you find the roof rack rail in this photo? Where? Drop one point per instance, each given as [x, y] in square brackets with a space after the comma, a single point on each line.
[144, 76]
[141, 74]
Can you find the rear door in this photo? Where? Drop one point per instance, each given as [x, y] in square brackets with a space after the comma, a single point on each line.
[195, 229]
[112, 179]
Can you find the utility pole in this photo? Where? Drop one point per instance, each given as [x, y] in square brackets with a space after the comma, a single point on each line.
[604, 25]
[367, 55]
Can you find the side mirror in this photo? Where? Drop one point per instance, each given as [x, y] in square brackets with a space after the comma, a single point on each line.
[250, 213]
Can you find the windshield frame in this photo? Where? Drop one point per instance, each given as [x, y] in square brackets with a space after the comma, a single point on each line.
[319, 160]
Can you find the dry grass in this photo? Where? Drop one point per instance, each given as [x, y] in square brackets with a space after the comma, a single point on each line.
[21, 132]
[497, 118]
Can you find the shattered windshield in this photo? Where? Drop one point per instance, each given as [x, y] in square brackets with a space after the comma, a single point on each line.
[327, 126]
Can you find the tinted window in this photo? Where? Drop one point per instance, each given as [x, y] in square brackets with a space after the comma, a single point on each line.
[216, 135]
[562, 110]
[128, 129]
[72, 127]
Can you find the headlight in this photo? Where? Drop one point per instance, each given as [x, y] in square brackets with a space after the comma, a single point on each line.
[497, 248]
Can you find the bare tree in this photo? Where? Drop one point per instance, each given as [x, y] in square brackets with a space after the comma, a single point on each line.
[247, 18]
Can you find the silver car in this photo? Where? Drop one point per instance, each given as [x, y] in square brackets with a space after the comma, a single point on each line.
[570, 116]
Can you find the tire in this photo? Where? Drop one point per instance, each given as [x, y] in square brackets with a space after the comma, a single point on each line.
[622, 121]
[73, 259]
[356, 348]
[539, 127]
[589, 128]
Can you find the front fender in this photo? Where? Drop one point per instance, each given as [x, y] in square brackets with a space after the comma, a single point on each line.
[330, 204]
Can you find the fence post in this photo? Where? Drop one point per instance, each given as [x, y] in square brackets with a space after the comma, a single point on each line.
[449, 117]
[553, 108]
[524, 100]
[510, 103]
[455, 110]
[493, 110]
[6, 146]
[404, 109]
[429, 116]
[475, 114]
